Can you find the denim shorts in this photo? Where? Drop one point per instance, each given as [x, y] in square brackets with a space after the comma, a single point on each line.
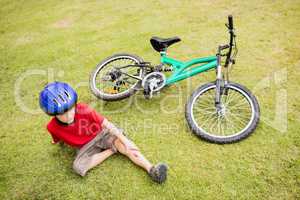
[101, 142]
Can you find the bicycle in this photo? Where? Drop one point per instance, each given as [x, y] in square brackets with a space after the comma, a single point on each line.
[220, 111]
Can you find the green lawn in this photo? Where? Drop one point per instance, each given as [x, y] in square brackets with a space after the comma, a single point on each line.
[55, 40]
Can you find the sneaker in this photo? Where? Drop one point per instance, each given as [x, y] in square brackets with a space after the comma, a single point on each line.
[158, 173]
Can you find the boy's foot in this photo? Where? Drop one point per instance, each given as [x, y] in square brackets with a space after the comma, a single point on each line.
[158, 173]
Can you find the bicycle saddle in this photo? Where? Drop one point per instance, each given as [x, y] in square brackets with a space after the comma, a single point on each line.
[160, 44]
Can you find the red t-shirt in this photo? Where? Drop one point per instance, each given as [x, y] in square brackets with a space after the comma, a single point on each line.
[87, 124]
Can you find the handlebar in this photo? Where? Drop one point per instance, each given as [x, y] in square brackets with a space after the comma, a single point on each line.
[230, 22]
[230, 45]
[232, 35]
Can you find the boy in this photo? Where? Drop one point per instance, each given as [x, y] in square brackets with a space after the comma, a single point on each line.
[77, 125]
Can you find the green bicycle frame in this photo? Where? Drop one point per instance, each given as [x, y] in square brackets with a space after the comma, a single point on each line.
[181, 71]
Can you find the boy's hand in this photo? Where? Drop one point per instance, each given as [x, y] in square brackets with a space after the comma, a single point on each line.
[61, 143]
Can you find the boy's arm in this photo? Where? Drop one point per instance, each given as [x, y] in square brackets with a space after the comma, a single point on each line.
[60, 142]
[55, 139]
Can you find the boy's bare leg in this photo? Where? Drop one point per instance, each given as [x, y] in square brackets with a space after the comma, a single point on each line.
[133, 153]
[158, 173]
[98, 158]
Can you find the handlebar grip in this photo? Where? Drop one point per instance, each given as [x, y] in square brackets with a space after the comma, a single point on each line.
[230, 22]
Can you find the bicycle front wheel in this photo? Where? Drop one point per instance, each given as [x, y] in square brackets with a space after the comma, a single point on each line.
[236, 120]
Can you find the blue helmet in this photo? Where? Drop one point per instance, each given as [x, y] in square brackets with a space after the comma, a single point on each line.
[57, 98]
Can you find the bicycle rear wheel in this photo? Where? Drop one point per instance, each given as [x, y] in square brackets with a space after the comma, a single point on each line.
[109, 81]
[237, 119]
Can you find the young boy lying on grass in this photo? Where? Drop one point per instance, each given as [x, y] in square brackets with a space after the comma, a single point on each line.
[78, 125]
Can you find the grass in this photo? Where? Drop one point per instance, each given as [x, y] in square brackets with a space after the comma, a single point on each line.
[65, 40]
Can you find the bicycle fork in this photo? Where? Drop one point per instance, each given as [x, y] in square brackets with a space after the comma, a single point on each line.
[219, 80]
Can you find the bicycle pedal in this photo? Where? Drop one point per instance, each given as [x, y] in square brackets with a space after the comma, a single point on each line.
[148, 94]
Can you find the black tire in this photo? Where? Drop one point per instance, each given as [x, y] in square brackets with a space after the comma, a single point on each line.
[197, 130]
[114, 97]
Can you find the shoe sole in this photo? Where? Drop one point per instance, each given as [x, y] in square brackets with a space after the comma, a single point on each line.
[163, 173]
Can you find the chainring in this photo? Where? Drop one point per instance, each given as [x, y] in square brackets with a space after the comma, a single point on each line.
[153, 82]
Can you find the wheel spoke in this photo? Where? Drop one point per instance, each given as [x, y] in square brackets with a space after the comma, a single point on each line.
[123, 83]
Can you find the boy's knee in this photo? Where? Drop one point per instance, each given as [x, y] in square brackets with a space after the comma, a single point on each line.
[127, 149]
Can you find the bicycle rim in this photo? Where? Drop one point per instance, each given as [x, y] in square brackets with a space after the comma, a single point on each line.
[105, 87]
[238, 112]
